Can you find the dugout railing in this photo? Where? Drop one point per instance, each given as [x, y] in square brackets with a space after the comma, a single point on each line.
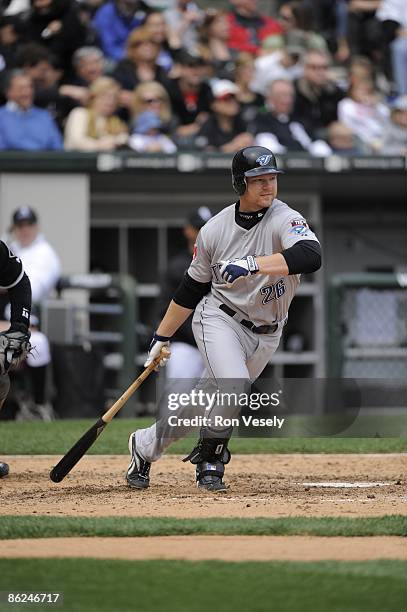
[367, 326]
[110, 298]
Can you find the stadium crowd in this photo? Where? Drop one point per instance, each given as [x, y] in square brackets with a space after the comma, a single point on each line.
[319, 77]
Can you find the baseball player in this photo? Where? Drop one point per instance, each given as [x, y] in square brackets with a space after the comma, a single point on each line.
[244, 273]
[14, 343]
[186, 360]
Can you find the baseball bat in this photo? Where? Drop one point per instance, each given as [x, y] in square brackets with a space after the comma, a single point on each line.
[71, 458]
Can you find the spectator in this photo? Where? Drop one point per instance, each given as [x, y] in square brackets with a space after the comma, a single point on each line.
[157, 26]
[248, 27]
[395, 136]
[330, 20]
[97, 127]
[183, 20]
[152, 96]
[23, 125]
[295, 15]
[148, 135]
[393, 15]
[250, 101]
[88, 65]
[276, 128]
[317, 96]
[190, 97]
[280, 58]
[113, 22]
[213, 43]
[10, 39]
[361, 68]
[365, 115]
[225, 129]
[343, 141]
[42, 67]
[56, 25]
[139, 66]
[42, 266]
[364, 31]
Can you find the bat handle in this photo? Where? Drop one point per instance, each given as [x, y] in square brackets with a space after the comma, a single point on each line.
[113, 410]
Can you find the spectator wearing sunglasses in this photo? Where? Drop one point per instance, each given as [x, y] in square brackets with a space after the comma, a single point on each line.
[225, 130]
[151, 96]
[317, 95]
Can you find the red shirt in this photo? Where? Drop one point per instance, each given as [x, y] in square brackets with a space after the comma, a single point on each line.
[247, 34]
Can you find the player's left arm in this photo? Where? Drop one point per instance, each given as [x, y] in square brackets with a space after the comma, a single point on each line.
[14, 343]
[301, 254]
[304, 257]
[301, 251]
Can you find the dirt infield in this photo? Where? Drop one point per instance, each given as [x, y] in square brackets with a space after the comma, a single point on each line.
[260, 485]
[224, 548]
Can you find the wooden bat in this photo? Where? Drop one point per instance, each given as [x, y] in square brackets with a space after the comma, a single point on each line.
[71, 458]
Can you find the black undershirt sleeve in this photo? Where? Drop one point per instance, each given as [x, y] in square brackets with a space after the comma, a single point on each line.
[20, 302]
[190, 292]
[303, 257]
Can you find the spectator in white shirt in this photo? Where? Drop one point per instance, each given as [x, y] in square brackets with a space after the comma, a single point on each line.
[365, 115]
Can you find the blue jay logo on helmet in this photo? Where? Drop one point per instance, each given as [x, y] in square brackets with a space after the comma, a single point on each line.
[264, 160]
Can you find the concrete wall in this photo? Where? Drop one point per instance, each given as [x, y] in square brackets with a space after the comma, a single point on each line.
[62, 203]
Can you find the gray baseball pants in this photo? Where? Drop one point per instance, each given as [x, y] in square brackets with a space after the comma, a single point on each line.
[229, 351]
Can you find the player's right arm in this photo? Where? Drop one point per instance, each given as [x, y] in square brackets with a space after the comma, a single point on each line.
[195, 284]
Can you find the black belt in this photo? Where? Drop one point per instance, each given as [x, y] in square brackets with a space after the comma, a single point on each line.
[260, 329]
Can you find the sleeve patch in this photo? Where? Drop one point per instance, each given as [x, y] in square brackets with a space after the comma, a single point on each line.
[299, 227]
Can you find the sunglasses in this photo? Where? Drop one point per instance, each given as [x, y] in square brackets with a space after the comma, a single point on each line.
[287, 18]
[317, 66]
[151, 100]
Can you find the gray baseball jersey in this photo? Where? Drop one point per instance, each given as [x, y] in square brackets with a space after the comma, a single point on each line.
[261, 299]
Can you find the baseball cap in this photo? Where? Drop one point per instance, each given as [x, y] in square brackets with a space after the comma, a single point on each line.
[400, 103]
[223, 87]
[186, 58]
[24, 214]
[199, 217]
[296, 42]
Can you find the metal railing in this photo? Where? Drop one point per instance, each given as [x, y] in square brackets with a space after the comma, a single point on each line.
[367, 325]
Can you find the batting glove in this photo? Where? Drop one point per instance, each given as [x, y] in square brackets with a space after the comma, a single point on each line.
[154, 350]
[230, 271]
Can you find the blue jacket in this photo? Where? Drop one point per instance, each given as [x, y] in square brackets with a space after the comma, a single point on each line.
[113, 29]
[32, 130]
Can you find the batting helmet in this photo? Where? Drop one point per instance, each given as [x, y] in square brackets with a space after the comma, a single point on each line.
[252, 161]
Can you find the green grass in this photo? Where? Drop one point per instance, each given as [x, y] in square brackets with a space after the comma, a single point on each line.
[48, 526]
[180, 586]
[39, 438]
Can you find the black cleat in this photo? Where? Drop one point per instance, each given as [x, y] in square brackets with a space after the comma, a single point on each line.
[138, 472]
[209, 476]
[4, 469]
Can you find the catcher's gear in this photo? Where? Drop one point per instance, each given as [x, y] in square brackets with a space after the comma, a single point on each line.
[230, 271]
[155, 347]
[14, 348]
[252, 161]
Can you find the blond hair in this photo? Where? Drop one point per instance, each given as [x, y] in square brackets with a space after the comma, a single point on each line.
[114, 125]
[154, 89]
